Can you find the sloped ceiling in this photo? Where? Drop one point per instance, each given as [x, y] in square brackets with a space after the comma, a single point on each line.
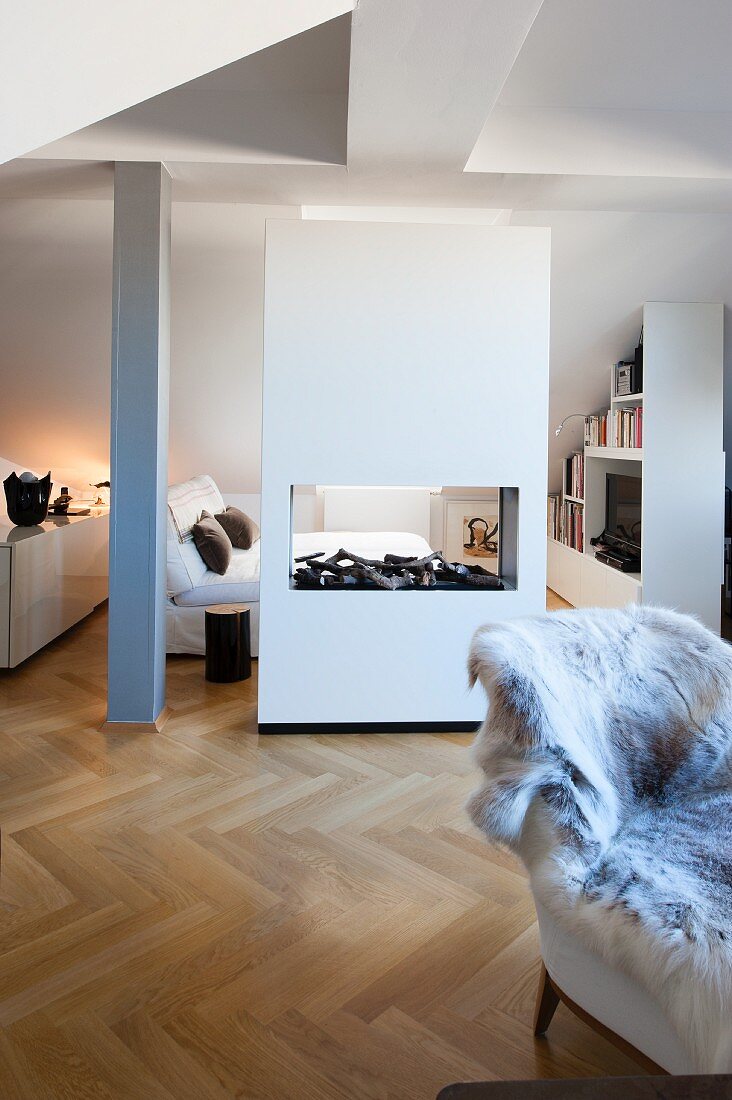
[64, 66]
[284, 104]
[565, 104]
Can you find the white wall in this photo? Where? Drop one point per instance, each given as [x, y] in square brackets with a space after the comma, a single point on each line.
[55, 338]
[385, 349]
[8, 466]
[216, 342]
[55, 325]
[604, 267]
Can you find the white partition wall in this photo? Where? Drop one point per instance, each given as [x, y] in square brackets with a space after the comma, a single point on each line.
[683, 457]
[396, 355]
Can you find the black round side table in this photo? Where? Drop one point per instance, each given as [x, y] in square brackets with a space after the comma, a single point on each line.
[228, 648]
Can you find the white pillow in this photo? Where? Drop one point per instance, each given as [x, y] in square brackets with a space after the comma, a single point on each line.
[185, 566]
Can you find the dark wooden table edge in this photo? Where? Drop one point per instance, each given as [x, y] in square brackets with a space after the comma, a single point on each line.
[703, 1086]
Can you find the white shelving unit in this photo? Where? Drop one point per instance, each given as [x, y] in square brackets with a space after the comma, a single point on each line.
[625, 454]
[627, 399]
[682, 466]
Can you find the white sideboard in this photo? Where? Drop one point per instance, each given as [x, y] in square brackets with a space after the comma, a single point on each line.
[51, 576]
[584, 582]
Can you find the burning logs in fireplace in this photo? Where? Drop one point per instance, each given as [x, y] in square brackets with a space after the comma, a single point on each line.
[346, 569]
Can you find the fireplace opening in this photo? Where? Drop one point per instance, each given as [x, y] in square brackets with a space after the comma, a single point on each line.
[403, 538]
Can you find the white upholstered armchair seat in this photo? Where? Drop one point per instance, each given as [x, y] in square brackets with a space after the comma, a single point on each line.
[610, 995]
[607, 766]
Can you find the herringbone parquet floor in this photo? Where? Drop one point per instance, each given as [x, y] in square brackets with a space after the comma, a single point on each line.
[199, 915]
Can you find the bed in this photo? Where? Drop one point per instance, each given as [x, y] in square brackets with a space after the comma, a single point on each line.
[191, 587]
[369, 544]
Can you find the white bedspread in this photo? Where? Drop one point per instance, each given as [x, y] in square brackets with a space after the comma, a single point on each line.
[368, 544]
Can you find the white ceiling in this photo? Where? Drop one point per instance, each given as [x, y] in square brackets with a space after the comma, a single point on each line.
[424, 75]
[63, 66]
[632, 88]
[655, 55]
[570, 104]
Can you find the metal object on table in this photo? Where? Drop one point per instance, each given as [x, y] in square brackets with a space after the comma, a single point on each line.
[228, 643]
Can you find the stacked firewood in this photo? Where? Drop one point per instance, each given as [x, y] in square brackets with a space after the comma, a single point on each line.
[345, 569]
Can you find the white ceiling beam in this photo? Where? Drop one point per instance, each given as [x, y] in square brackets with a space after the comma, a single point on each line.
[425, 74]
[333, 185]
[65, 66]
[588, 142]
[229, 127]
[422, 215]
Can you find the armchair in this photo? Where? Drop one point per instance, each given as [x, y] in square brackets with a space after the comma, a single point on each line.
[607, 767]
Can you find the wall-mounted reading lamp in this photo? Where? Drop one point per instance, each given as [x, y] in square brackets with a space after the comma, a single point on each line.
[558, 430]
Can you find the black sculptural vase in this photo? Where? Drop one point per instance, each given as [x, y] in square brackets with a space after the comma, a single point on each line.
[27, 500]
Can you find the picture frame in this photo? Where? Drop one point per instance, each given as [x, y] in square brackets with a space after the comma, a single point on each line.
[472, 532]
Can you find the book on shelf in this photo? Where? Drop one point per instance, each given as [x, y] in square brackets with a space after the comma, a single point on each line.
[626, 428]
[596, 430]
[572, 533]
[574, 475]
[616, 428]
[553, 511]
[565, 521]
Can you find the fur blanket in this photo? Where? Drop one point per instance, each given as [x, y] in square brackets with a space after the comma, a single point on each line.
[607, 761]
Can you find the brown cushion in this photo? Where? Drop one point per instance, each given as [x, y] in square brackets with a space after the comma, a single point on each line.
[213, 543]
[241, 529]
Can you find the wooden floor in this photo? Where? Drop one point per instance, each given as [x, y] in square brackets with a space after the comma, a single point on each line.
[555, 602]
[200, 914]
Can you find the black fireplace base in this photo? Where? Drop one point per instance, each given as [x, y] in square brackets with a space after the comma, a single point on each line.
[367, 727]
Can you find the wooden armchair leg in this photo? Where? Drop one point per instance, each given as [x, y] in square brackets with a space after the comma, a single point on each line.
[547, 1000]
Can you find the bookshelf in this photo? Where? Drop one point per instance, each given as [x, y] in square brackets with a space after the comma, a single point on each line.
[681, 463]
[627, 454]
[628, 399]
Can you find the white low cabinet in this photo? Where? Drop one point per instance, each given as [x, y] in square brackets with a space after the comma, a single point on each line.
[5, 557]
[585, 582]
[51, 577]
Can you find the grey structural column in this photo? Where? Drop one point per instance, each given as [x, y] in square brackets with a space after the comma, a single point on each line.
[139, 444]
